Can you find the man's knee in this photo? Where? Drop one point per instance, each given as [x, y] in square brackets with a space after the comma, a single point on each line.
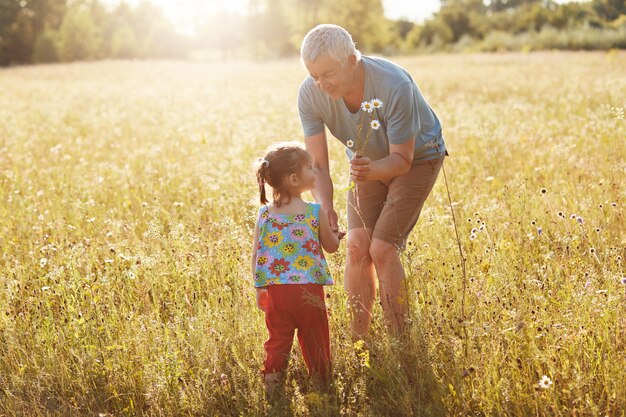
[382, 252]
[358, 245]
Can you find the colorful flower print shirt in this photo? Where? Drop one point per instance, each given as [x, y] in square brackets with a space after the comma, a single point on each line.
[289, 249]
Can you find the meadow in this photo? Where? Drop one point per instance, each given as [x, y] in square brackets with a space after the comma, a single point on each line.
[128, 200]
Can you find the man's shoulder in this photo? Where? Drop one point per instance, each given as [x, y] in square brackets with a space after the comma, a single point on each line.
[307, 85]
[386, 72]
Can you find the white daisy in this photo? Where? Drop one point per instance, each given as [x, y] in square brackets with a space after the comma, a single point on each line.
[545, 382]
[377, 103]
[349, 144]
[375, 124]
[367, 106]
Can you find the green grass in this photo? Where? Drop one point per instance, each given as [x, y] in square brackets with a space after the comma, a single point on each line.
[127, 203]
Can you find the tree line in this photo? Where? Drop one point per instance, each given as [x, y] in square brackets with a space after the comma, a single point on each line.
[40, 31]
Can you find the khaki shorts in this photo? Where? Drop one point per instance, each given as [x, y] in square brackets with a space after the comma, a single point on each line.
[391, 208]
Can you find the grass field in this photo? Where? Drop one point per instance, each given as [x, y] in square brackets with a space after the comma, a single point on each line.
[127, 203]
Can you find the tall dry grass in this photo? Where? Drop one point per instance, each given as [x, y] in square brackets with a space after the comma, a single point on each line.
[126, 208]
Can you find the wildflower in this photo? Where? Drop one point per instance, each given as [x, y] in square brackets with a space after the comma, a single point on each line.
[579, 220]
[350, 143]
[376, 103]
[473, 231]
[597, 230]
[545, 382]
[533, 223]
[623, 281]
[544, 191]
[472, 236]
[561, 214]
[600, 206]
[482, 227]
[224, 380]
[592, 250]
[469, 220]
[358, 345]
[367, 107]
[43, 262]
[619, 258]
[573, 216]
[613, 204]
[539, 231]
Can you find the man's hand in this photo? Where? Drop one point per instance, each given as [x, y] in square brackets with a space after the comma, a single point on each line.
[332, 218]
[360, 168]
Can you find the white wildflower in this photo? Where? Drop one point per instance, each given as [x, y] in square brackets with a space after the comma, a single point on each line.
[545, 382]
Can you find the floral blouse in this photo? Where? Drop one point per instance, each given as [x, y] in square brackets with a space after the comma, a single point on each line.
[289, 250]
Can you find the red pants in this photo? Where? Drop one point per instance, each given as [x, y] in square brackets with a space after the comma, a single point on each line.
[302, 307]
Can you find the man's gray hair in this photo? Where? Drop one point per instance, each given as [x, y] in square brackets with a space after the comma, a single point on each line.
[331, 39]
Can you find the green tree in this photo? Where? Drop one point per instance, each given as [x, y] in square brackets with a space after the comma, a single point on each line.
[79, 37]
[268, 30]
[45, 49]
[499, 5]
[462, 18]
[124, 42]
[609, 9]
[363, 19]
[21, 22]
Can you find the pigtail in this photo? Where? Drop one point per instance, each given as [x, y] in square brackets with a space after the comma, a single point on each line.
[260, 177]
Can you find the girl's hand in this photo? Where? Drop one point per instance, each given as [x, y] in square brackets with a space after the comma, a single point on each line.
[360, 168]
[261, 299]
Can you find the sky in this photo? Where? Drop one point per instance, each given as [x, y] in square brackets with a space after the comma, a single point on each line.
[184, 12]
[416, 11]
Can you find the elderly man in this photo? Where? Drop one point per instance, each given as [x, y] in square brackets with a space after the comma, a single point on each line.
[394, 171]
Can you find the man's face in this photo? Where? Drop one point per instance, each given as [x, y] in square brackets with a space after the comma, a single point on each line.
[330, 77]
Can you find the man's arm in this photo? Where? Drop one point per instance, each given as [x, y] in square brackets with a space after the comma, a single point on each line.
[317, 146]
[397, 163]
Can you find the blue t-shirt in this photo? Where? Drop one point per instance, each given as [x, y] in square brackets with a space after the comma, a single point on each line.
[403, 115]
[289, 250]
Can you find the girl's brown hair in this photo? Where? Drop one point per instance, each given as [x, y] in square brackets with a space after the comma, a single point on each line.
[280, 161]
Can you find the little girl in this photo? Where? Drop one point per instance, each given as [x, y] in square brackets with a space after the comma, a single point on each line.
[289, 266]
